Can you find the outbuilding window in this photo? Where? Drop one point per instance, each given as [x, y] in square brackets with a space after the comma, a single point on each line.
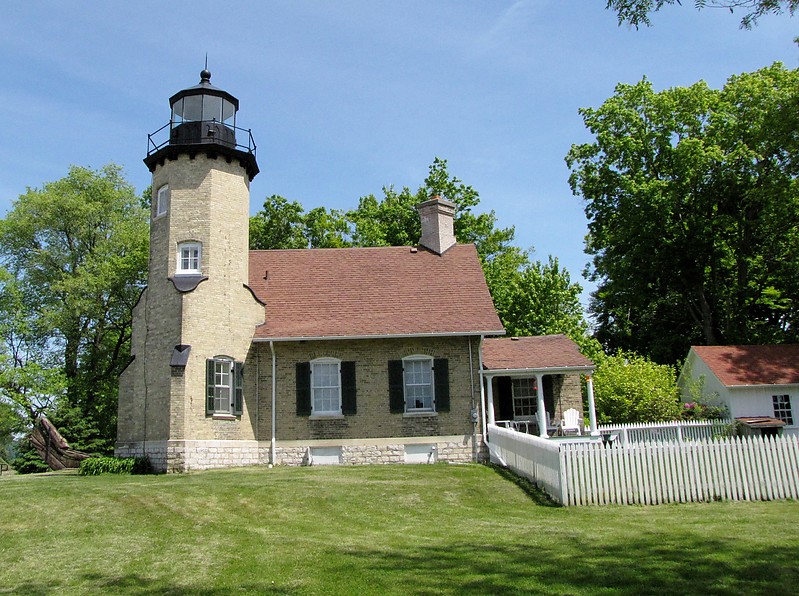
[782, 408]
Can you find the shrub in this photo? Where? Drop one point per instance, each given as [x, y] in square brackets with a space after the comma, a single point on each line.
[94, 466]
[631, 388]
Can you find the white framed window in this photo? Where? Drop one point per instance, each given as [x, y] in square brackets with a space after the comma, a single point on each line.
[162, 200]
[189, 258]
[224, 383]
[325, 387]
[418, 382]
[782, 408]
[525, 398]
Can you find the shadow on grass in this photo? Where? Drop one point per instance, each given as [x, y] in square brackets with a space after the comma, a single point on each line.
[538, 496]
[644, 566]
[138, 585]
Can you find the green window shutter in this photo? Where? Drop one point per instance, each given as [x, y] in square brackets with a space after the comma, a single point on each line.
[238, 388]
[303, 389]
[348, 405]
[209, 386]
[396, 387]
[441, 375]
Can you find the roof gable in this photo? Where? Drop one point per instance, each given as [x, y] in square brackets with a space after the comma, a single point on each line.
[372, 292]
[535, 353]
[752, 365]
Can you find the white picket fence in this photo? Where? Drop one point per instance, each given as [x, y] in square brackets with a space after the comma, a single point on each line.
[681, 430]
[652, 472]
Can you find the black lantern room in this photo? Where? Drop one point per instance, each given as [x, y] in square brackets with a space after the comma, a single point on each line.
[203, 120]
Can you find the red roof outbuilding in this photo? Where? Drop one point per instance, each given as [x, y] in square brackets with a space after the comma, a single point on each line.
[737, 366]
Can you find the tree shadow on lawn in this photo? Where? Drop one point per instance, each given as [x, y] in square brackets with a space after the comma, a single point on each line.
[643, 566]
[498, 565]
[96, 583]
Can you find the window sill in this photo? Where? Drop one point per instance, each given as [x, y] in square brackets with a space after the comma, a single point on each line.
[429, 414]
[326, 417]
[224, 417]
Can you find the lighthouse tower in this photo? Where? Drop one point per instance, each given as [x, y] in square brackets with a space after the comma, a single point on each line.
[184, 393]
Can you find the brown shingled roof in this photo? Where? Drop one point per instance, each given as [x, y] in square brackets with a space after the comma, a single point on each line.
[537, 352]
[371, 292]
[752, 365]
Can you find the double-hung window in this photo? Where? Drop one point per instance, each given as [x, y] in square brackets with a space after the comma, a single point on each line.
[418, 384]
[525, 398]
[418, 376]
[782, 408]
[189, 258]
[224, 382]
[325, 387]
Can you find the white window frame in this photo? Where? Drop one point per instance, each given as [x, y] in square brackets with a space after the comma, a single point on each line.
[525, 403]
[185, 267]
[223, 369]
[783, 409]
[317, 378]
[411, 388]
[162, 201]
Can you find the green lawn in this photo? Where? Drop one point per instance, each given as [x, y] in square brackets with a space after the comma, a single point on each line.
[438, 529]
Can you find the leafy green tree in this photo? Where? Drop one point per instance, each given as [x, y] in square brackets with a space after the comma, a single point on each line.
[637, 12]
[10, 425]
[280, 224]
[531, 297]
[326, 229]
[77, 250]
[632, 388]
[693, 207]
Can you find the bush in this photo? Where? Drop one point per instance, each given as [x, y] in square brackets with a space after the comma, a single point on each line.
[94, 466]
[632, 388]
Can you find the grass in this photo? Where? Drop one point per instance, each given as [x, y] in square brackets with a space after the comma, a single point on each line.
[375, 530]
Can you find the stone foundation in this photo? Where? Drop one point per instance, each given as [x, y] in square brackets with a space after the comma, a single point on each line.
[184, 456]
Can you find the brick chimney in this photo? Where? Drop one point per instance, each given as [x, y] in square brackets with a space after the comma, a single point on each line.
[438, 224]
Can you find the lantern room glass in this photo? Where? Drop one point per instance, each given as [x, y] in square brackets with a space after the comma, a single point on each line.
[195, 108]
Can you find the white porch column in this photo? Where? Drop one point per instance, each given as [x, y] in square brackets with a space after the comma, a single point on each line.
[490, 399]
[589, 384]
[542, 412]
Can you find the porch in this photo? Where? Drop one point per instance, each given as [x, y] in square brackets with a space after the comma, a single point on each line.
[530, 383]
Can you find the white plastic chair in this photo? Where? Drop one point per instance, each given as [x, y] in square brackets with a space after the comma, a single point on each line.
[571, 422]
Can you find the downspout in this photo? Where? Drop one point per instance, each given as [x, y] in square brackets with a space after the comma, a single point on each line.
[257, 395]
[473, 404]
[482, 390]
[274, 400]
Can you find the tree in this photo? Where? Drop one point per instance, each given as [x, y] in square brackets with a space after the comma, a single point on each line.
[632, 388]
[77, 251]
[693, 207]
[530, 297]
[636, 12]
[280, 224]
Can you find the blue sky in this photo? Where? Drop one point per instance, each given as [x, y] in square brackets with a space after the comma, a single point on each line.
[345, 97]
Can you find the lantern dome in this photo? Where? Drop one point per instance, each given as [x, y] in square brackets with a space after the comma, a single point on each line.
[203, 119]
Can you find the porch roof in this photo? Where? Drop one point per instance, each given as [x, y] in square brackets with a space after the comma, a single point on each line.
[542, 353]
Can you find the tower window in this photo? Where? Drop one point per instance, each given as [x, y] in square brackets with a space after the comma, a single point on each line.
[189, 258]
[162, 200]
[224, 386]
